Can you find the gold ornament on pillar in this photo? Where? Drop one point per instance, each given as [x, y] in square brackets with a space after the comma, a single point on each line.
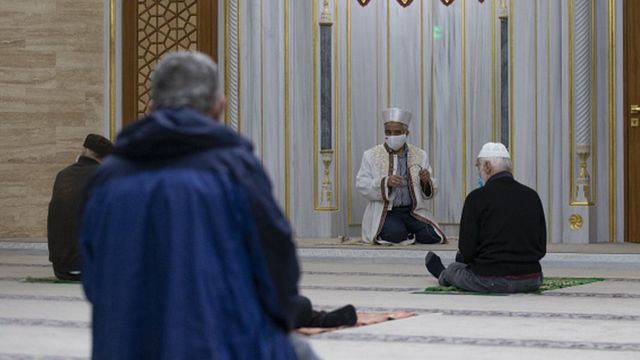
[575, 222]
[405, 3]
[364, 2]
[584, 179]
[327, 158]
[325, 17]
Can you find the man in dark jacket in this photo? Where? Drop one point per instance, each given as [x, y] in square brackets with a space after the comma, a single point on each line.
[63, 219]
[186, 254]
[502, 232]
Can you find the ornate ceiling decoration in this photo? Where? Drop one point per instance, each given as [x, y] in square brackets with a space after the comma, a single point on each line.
[405, 3]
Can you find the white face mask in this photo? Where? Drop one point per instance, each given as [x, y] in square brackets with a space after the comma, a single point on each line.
[395, 142]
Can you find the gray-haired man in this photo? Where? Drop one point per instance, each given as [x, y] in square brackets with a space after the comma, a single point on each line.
[185, 253]
[502, 232]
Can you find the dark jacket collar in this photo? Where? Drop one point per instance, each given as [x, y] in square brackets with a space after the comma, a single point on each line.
[500, 175]
[173, 132]
[85, 160]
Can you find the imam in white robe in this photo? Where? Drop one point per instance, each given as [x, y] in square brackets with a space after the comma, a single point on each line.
[371, 182]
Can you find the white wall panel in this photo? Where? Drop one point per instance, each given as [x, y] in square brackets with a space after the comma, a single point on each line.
[273, 95]
[447, 112]
[423, 58]
[479, 85]
[366, 82]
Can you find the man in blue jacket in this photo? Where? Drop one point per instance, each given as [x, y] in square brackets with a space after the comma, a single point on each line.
[185, 254]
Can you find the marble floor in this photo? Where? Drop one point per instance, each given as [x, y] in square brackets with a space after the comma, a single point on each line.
[595, 321]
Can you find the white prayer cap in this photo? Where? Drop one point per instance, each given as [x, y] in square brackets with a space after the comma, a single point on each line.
[396, 115]
[491, 149]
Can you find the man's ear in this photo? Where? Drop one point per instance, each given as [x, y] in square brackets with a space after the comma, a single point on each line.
[488, 168]
[218, 108]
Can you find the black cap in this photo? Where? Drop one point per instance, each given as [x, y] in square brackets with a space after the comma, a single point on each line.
[98, 144]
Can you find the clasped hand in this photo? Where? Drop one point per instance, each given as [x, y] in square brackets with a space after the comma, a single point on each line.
[395, 180]
[424, 175]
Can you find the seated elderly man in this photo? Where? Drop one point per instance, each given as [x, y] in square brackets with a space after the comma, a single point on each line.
[63, 217]
[502, 232]
[395, 177]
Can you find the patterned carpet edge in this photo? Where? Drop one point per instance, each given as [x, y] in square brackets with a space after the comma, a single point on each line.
[549, 283]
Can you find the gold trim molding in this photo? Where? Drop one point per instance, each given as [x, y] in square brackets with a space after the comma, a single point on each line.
[112, 70]
[463, 104]
[336, 140]
[287, 180]
[613, 233]
[314, 80]
[493, 71]
[349, 120]
[421, 75]
[549, 141]
[512, 145]
[261, 80]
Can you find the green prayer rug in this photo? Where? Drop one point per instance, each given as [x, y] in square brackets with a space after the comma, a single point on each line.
[549, 283]
[48, 280]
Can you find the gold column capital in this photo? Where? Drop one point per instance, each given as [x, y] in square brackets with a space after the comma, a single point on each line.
[325, 18]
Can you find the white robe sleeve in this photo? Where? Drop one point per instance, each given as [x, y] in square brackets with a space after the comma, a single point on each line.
[369, 183]
[434, 183]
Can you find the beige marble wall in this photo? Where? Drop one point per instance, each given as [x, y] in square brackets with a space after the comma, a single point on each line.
[51, 96]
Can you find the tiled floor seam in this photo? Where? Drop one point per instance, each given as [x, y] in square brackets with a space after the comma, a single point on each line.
[36, 322]
[41, 297]
[11, 356]
[492, 342]
[417, 289]
[30, 322]
[495, 313]
[368, 273]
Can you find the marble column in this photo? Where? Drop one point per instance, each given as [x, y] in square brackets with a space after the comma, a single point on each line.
[579, 211]
[582, 96]
[326, 109]
[232, 73]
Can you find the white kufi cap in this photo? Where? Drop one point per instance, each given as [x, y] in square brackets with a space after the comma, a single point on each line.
[494, 150]
[396, 115]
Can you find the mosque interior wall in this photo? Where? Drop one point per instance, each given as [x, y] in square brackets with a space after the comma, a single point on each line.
[442, 63]
[51, 96]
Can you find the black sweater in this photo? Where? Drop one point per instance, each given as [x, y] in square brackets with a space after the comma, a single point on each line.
[63, 219]
[503, 230]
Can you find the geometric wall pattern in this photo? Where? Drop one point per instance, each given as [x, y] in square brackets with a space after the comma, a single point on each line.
[162, 26]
